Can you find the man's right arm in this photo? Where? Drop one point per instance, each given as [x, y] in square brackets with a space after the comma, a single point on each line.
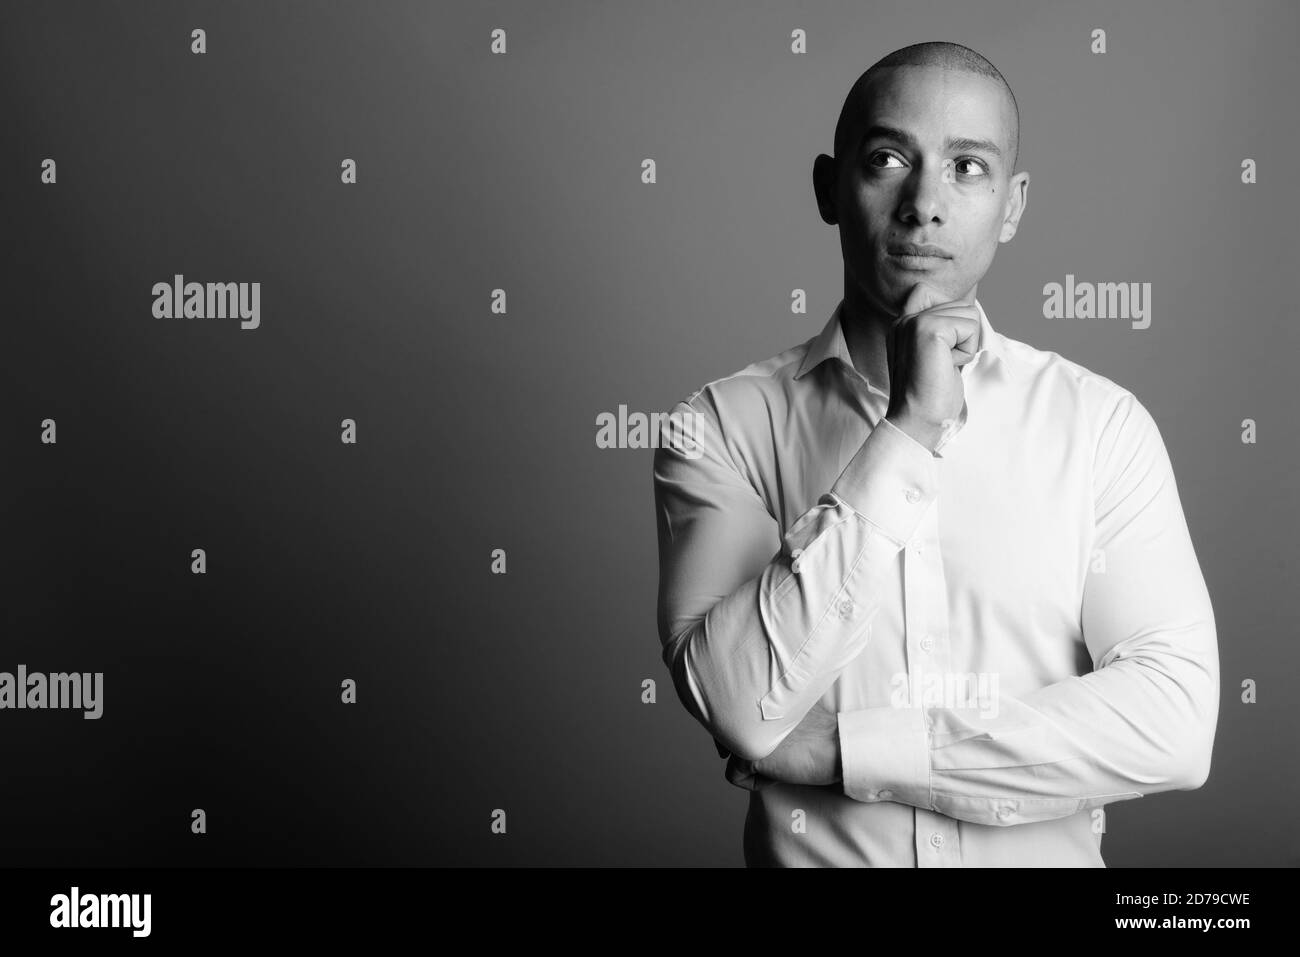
[756, 626]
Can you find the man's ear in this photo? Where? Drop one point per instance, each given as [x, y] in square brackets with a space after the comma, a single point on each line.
[824, 174]
[1017, 200]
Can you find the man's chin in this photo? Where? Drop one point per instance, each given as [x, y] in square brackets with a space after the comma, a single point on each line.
[892, 293]
[893, 288]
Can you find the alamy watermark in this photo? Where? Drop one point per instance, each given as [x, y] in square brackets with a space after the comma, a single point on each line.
[179, 299]
[76, 909]
[639, 430]
[1102, 300]
[946, 689]
[36, 691]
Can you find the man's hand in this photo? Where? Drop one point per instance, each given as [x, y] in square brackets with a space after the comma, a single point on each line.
[810, 754]
[927, 346]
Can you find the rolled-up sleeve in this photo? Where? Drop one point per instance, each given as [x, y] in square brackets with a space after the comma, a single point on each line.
[1143, 721]
[755, 624]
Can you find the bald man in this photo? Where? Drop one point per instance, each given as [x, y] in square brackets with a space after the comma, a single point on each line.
[931, 589]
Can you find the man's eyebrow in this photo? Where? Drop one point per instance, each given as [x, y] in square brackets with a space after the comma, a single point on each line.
[955, 144]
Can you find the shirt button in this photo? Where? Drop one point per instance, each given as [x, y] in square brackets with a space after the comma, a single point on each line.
[1006, 812]
[936, 839]
[913, 495]
[846, 608]
[927, 643]
[796, 553]
[885, 795]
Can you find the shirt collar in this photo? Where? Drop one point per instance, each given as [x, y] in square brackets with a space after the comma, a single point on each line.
[830, 344]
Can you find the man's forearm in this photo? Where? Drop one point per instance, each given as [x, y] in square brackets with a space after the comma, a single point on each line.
[751, 667]
[1142, 724]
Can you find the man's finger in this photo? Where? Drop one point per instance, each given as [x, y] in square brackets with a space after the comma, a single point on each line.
[921, 297]
[955, 329]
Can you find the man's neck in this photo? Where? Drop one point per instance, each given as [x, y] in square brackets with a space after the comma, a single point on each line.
[865, 327]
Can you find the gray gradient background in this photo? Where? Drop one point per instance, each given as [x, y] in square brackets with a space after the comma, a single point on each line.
[477, 431]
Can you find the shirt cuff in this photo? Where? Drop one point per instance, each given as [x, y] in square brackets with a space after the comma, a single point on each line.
[886, 755]
[890, 481]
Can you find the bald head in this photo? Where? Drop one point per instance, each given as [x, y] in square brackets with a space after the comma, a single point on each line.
[948, 56]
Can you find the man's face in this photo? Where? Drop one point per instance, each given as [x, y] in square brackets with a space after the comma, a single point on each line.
[929, 164]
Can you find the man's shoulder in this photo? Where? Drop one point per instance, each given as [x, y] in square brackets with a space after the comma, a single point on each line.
[1036, 367]
[756, 382]
[1102, 406]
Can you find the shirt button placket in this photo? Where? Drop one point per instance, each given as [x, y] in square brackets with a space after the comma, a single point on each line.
[916, 597]
[936, 837]
[937, 842]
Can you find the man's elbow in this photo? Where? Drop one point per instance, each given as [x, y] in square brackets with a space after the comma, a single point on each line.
[744, 735]
[735, 733]
[744, 741]
[1187, 767]
[1187, 727]
[1194, 770]
[1202, 722]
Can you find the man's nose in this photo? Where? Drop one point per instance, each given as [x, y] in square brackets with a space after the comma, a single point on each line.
[925, 194]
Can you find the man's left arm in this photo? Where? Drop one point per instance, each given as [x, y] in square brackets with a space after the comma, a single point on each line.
[1142, 722]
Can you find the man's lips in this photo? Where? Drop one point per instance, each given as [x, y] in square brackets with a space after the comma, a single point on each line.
[915, 250]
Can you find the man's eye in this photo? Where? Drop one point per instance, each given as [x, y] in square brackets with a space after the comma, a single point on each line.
[977, 168]
[884, 156]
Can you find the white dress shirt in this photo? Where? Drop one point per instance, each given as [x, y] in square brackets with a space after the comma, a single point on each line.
[1012, 632]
